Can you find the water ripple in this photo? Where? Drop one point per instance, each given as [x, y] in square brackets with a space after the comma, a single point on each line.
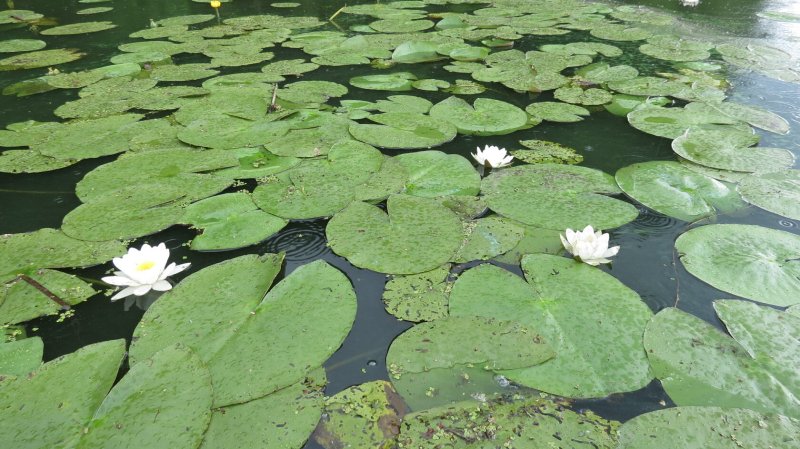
[302, 241]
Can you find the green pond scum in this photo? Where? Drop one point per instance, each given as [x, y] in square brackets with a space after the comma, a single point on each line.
[357, 279]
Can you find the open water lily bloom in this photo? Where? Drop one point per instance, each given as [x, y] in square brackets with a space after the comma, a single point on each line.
[589, 246]
[492, 156]
[142, 270]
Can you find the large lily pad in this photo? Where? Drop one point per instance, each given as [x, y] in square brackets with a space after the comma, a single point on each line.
[78, 28]
[672, 189]
[556, 196]
[777, 192]
[435, 174]
[41, 58]
[523, 423]
[18, 358]
[699, 365]
[40, 413]
[758, 117]
[169, 395]
[488, 237]
[486, 117]
[418, 297]
[280, 420]
[593, 322]
[232, 132]
[707, 428]
[414, 236]
[750, 261]
[554, 111]
[222, 313]
[673, 122]
[20, 301]
[729, 149]
[403, 130]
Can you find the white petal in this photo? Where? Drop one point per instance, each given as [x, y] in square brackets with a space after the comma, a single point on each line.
[566, 244]
[588, 230]
[610, 252]
[122, 281]
[127, 291]
[162, 286]
[173, 269]
[141, 290]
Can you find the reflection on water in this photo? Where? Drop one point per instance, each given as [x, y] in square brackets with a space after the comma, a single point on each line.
[302, 241]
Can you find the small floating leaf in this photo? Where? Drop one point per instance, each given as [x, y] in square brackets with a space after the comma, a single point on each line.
[78, 28]
[19, 45]
[418, 297]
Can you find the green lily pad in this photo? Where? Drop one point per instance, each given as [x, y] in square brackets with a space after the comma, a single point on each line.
[20, 301]
[546, 152]
[729, 149]
[404, 103]
[169, 394]
[707, 428]
[313, 141]
[18, 16]
[78, 28]
[280, 420]
[699, 365]
[295, 67]
[777, 192]
[47, 415]
[418, 297]
[417, 235]
[400, 25]
[41, 58]
[647, 86]
[160, 32]
[602, 73]
[403, 130]
[18, 358]
[232, 132]
[229, 314]
[525, 194]
[597, 355]
[230, 221]
[486, 117]
[435, 174]
[553, 111]
[256, 163]
[622, 104]
[320, 188]
[413, 52]
[90, 138]
[465, 87]
[30, 161]
[50, 248]
[311, 91]
[487, 237]
[73, 80]
[20, 45]
[430, 84]
[749, 261]
[463, 425]
[182, 72]
[671, 189]
[395, 82]
[586, 97]
[675, 48]
[191, 19]
[673, 122]
[758, 117]
[365, 415]
[619, 32]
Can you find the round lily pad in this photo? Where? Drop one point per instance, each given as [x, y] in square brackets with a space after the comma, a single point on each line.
[437, 174]
[413, 52]
[395, 82]
[78, 28]
[673, 122]
[554, 111]
[19, 45]
[20, 301]
[41, 58]
[97, 10]
[182, 72]
[777, 192]
[191, 19]
[758, 117]
[526, 194]
[486, 117]
[403, 130]
[602, 73]
[729, 149]
[586, 97]
[671, 189]
[749, 261]
[414, 236]
[488, 237]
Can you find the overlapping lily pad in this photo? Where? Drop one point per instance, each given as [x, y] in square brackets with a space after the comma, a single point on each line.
[414, 236]
[394, 82]
[486, 117]
[729, 149]
[221, 312]
[749, 261]
[20, 301]
[78, 28]
[673, 122]
[20, 45]
[404, 130]
[699, 365]
[777, 192]
[418, 297]
[670, 188]
[41, 58]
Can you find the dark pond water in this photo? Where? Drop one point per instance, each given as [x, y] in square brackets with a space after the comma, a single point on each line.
[646, 262]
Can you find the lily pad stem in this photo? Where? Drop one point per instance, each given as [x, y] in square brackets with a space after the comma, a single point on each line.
[338, 11]
[273, 106]
[45, 291]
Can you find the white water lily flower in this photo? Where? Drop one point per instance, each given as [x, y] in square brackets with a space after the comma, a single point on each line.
[589, 246]
[142, 270]
[492, 156]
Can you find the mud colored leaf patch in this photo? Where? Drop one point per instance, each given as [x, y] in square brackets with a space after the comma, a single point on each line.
[18, 358]
[50, 248]
[418, 297]
[280, 420]
[417, 235]
[40, 413]
[230, 221]
[777, 192]
[526, 194]
[366, 415]
[757, 369]
[403, 130]
[510, 422]
[222, 313]
[486, 117]
[749, 261]
[169, 395]
[728, 148]
[20, 301]
[671, 189]
[41, 58]
[593, 322]
[78, 28]
[707, 428]
[20, 45]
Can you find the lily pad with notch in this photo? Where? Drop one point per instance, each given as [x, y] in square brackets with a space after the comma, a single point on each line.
[485, 117]
[403, 130]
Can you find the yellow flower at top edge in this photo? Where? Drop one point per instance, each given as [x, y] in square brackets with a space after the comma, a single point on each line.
[215, 4]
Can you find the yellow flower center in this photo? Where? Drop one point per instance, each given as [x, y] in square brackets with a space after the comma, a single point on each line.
[145, 266]
[215, 4]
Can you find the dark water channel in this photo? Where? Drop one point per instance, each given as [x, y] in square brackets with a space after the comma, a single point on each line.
[646, 262]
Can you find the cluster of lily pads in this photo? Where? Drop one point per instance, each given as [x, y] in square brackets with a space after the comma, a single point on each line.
[222, 359]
